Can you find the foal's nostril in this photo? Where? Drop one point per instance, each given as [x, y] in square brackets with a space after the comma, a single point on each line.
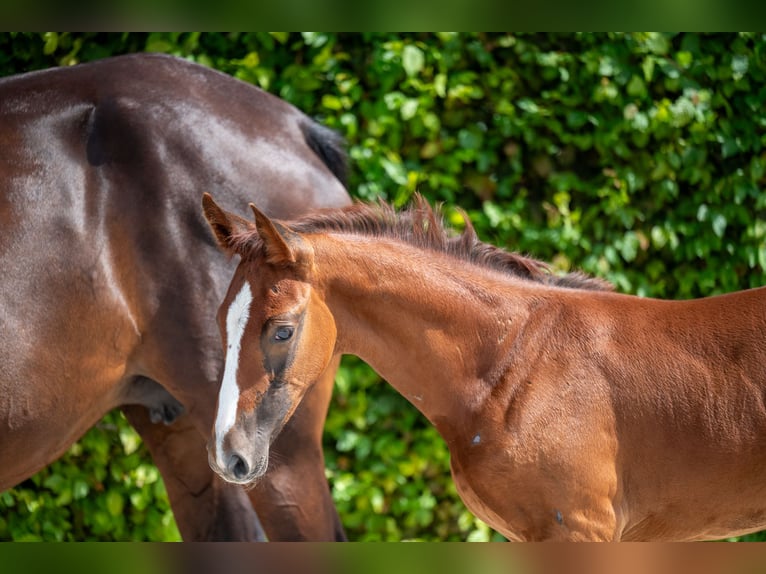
[237, 467]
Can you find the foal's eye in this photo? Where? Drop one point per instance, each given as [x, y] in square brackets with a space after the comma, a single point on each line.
[283, 333]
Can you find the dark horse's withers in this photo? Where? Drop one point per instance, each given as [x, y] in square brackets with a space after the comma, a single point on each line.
[101, 170]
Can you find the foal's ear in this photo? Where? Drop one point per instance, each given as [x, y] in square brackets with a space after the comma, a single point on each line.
[225, 225]
[282, 245]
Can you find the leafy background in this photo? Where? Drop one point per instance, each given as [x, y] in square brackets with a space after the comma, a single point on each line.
[635, 157]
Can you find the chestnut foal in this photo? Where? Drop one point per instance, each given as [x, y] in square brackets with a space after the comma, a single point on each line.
[571, 412]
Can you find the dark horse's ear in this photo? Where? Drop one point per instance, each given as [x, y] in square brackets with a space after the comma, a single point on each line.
[282, 245]
[225, 225]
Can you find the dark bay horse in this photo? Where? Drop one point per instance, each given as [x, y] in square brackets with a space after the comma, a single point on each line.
[101, 170]
[571, 412]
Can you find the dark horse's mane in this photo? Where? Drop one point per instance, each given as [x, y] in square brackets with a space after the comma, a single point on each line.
[423, 226]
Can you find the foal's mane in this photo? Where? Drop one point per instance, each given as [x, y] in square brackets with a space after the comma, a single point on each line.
[423, 226]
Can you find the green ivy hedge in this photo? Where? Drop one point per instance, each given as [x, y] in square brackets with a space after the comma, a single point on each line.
[635, 157]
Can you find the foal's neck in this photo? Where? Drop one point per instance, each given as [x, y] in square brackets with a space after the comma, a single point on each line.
[435, 328]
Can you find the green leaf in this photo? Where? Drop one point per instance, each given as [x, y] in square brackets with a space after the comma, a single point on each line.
[51, 43]
[440, 85]
[80, 489]
[657, 43]
[331, 102]
[55, 482]
[395, 170]
[740, 63]
[719, 224]
[280, 37]
[115, 503]
[636, 87]
[647, 66]
[412, 60]
[629, 246]
[409, 109]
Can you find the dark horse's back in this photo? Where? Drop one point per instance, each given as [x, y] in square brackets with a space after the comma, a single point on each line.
[102, 169]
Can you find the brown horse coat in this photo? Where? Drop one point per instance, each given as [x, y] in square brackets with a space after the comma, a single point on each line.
[570, 412]
[101, 169]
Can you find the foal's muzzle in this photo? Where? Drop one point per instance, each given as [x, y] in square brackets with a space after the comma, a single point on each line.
[237, 467]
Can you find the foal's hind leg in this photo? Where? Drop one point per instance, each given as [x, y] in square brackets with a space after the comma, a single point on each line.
[205, 507]
[163, 407]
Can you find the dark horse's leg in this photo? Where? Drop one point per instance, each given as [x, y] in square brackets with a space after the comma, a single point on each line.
[293, 498]
[205, 507]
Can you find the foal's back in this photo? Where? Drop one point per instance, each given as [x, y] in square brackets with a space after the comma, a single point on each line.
[687, 383]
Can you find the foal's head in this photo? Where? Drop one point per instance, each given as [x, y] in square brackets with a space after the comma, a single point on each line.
[278, 336]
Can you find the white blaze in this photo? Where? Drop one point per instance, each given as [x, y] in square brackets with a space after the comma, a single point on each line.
[236, 320]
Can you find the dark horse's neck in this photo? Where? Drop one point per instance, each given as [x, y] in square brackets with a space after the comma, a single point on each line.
[437, 329]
